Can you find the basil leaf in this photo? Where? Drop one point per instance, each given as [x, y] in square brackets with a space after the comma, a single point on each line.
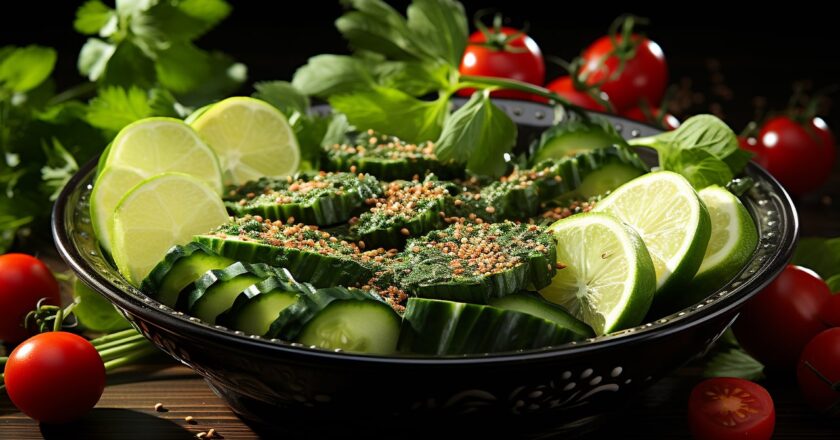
[834, 284]
[822, 255]
[478, 134]
[440, 28]
[24, 68]
[95, 312]
[698, 166]
[394, 112]
[326, 75]
[734, 363]
[377, 27]
[414, 78]
[282, 95]
[92, 16]
[737, 160]
[706, 132]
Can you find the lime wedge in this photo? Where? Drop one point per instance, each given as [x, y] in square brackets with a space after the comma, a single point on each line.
[672, 221]
[734, 238]
[607, 278]
[155, 215]
[251, 137]
[141, 150]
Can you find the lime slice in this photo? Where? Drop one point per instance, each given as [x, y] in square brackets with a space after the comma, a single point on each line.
[734, 238]
[608, 280]
[251, 137]
[672, 221]
[155, 215]
[141, 150]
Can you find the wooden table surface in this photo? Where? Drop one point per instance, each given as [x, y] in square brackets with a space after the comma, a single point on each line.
[126, 410]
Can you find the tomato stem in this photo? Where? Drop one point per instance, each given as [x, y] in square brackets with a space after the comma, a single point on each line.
[512, 84]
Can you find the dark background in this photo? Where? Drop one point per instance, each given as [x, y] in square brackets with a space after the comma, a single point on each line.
[723, 58]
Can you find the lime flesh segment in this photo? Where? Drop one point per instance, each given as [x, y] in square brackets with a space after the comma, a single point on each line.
[607, 279]
[734, 238]
[672, 221]
[251, 138]
[157, 214]
[141, 150]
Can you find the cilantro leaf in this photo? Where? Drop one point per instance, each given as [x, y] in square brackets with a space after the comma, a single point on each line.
[129, 66]
[440, 28]
[93, 16]
[394, 112]
[734, 363]
[326, 75]
[114, 108]
[282, 95]
[822, 255]
[59, 168]
[24, 68]
[196, 76]
[697, 165]
[166, 22]
[478, 134]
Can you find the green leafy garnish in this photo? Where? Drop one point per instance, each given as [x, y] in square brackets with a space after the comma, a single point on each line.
[834, 284]
[734, 363]
[822, 255]
[94, 312]
[703, 149]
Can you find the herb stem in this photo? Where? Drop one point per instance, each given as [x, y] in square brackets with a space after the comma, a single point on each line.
[119, 342]
[113, 337]
[122, 350]
[512, 84]
[140, 353]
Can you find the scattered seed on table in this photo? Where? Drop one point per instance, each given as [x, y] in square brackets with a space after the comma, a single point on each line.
[201, 435]
[211, 433]
[190, 420]
[159, 407]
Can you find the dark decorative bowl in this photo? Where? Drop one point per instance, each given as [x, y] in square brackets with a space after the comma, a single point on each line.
[535, 393]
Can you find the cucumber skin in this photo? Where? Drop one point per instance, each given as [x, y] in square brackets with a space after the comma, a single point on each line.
[319, 270]
[393, 169]
[156, 279]
[192, 298]
[291, 321]
[567, 320]
[253, 293]
[392, 236]
[435, 327]
[533, 273]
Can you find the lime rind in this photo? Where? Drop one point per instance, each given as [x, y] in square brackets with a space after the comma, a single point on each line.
[734, 239]
[673, 222]
[158, 213]
[607, 277]
[252, 139]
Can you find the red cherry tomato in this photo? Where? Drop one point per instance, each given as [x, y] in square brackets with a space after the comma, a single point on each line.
[24, 280]
[801, 157]
[55, 377]
[644, 77]
[752, 145]
[520, 59]
[726, 408]
[818, 371]
[668, 121]
[830, 311]
[776, 323]
[564, 87]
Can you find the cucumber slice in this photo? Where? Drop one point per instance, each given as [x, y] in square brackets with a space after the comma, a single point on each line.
[476, 262]
[339, 318]
[438, 327]
[607, 178]
[310, 254]
[313, 199]
[387, 157]
[258, 306]
[215, 291]
[408, 208]
[574, 136]
[532, 304]
[181, 266]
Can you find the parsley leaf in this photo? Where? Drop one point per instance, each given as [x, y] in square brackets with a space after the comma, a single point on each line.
[414, 78]
[115, 107]
[59, 168]
[393, 111]
[93, 16]
[375, 26]
[478, 125]
[326, 75]
[282, 95]
[440, 28]
[22, 69]
[734, 363]
[94, 57]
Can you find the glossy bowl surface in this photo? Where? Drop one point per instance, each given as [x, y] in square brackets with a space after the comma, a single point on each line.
[299, 390]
